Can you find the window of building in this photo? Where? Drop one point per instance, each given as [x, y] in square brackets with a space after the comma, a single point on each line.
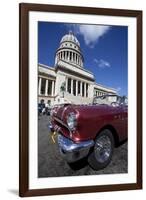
[79, 85]
[67, 54]
[49, 87]
[86, 90]
[83, 88]
[43, 86]
[74, 87]
[69, 85]
[70, 56]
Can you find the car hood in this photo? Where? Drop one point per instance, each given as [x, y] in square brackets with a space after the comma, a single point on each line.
[82, 111]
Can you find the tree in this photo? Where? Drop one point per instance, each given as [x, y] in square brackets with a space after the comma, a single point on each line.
[63, 88]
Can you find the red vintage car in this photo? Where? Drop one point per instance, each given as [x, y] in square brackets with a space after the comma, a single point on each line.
[91, 131]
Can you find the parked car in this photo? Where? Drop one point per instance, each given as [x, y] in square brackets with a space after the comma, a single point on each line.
[91, 131]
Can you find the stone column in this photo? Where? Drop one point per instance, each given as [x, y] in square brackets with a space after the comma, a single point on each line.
[76, 88]
[68, 55]
[81, 63]
[72, 56]
[40, 83]
[46, 88]
[71, 86]
[84, 89]
[52, 91]
[77, 59]
[64, 55]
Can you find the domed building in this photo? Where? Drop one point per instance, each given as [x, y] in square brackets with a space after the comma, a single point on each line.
[68, 80]
[69, 51]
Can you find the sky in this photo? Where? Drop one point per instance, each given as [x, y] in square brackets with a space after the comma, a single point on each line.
[105, 50]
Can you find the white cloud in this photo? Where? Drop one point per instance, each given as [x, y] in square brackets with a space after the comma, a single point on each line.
[90, 33]
[102, 63]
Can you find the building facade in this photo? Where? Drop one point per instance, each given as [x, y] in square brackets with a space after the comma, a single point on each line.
[68, 80]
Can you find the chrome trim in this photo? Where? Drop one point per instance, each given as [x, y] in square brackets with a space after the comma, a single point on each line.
[65, 125]
[65, 108]
[72, 151]
[61, 122]
[103, 148]
[50, 126]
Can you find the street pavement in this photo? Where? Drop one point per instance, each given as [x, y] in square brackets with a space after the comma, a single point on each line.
[51, 164]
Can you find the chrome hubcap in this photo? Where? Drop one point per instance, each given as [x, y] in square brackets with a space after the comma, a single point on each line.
[102, 149]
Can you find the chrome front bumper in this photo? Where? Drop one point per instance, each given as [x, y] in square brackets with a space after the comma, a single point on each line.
[72, 151]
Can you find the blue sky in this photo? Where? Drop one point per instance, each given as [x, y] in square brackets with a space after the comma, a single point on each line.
[104, 48]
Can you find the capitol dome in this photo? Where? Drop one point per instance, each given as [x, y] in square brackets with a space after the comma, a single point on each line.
[69, 50]
[70, 38]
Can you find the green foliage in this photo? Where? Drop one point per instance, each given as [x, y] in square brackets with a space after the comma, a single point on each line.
[63, 87]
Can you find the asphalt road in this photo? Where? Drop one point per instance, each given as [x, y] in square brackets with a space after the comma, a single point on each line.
[51, 164]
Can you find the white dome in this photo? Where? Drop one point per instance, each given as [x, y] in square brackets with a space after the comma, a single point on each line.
[69, 50]
[70, 38]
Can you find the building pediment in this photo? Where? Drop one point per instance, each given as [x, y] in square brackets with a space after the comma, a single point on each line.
[62, 65]
[45, 70]
[104, 88]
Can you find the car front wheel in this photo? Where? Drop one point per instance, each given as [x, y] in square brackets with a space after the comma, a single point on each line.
[102, 151]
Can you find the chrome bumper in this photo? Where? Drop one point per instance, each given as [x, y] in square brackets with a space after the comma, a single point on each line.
[72, 151]
[51, 127]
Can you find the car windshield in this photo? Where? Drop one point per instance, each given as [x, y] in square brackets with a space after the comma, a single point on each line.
[110, 99]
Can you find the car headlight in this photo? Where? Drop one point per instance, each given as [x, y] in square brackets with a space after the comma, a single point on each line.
[72, 121]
